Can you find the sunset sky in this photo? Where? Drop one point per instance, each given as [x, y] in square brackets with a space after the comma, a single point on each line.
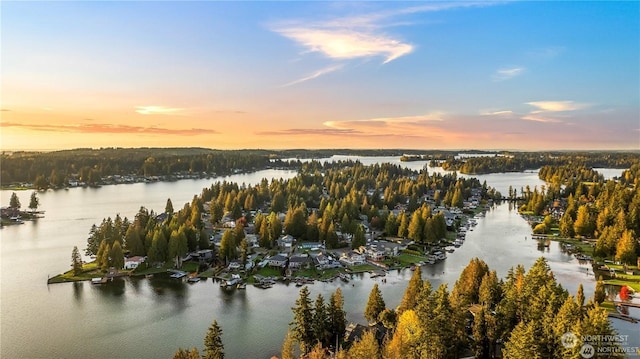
[414, 75]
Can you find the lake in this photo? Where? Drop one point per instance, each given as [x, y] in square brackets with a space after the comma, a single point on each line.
[136, 318]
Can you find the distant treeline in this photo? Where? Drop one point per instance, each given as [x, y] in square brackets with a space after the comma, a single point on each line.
[55, 169]
[521, 161]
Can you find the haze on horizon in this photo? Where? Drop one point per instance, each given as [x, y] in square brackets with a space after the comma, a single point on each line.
[411, 75]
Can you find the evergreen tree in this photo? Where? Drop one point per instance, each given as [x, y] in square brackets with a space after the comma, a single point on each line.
[168, 208]
[337, 316]
[187, 354]
[14, 201]
[321, 322]
[480, 339]
[375, 304]
[34, 202]
[217, 212]
[390, 226]
[331, 236]
[244, 251]
[583, 225]
[403, 225]
[522, 343]
[410, 297]
[366, 347]
[133, 242]
[227, 246]
[599, 295]
[213, 347]
[302, 325]
[287, 351]
[415, 231]
[76, 261]
[626, 248]
[117, 255]
[566, 226]
[489, 292]
[359, 238]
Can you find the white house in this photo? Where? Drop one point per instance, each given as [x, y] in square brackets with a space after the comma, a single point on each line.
[133, 262]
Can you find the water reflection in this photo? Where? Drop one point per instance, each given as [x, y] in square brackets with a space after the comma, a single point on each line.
[113, 288]
[77, 291]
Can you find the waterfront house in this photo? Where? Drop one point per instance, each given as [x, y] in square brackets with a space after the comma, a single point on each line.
[300, 261]
[286, 242]
[235, 265]
[352, 258]
[278, 260]
[133, 262]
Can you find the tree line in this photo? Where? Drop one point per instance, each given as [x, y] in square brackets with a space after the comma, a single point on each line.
[524, 315]
[585, 205]
[56, 169]
[321, 202]
[522, 161]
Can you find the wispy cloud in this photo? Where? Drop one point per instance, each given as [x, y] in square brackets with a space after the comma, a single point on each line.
[496, 113]
[311, 131]
[552, 111]
[314, 75]
[537, 118]
[157, 110]
[360, 36]
[508, 73]
[386, 121]
[558, 106]
[102, 128]
[342, 43]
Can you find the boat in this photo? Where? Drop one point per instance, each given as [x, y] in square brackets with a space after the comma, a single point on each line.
[193, 280]
[345, 277]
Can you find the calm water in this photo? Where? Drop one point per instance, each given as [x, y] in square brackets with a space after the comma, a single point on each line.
[152, 318]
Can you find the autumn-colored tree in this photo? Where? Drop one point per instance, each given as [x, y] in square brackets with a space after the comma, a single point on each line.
[410, 297]
[626, 248]
[599, 295]
[186, 354]
[583, 225]
[375, 304]
[366, 347]
[288, 347]
[213, 347]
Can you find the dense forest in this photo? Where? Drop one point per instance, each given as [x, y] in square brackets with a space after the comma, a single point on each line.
[98, 166]
[580, 203]
[525, 315]
[522, 161]
[323, 201]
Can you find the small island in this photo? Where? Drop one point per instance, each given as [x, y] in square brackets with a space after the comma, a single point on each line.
[13, 215]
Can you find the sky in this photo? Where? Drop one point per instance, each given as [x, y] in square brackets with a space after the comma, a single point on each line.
[516, 75]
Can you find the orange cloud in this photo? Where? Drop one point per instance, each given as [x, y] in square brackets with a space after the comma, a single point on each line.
[100, 128]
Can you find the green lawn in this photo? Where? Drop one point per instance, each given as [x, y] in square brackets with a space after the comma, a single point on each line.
[269, 272]
[89, 270]
[406, 259]
[608, 306]
[362, 268]
[585, 248]
[634, 285]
